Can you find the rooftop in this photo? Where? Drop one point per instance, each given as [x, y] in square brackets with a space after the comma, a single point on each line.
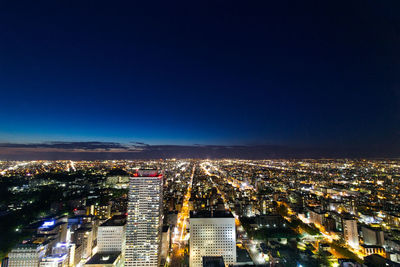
[213, 261]
[104, 258]
[116, 220]
[209, 214]
[147, 173]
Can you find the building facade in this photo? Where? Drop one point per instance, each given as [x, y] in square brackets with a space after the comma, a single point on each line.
[55, 260]
[26, 255]
[111, 235]
[212, 234]
[373, 236]
[350, 232]
[143, 237]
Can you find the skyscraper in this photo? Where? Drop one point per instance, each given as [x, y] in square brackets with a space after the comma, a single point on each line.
[144, 219]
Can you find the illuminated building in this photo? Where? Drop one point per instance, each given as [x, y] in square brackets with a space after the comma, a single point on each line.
[84, 237]
[103, 212]
[350, 232]
[371, 249]
[57, 227]
[165, 239]
[55, 260]
[316, 216]
[111, 235]
[373, 236]
[29, 254]
[144, 219]
[66, 248]
[212, 234]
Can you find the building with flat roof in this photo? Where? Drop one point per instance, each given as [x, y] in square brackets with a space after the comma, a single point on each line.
[112, 259]
[373, 236]
[28, 254]
[212, 234]
[143, 231]
[213, 261]
[350, 232]
[84, 237]
[111, 235]
[55, 260]
[65, 248]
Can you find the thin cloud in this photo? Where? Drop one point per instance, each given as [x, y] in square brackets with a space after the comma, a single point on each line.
[95, 150]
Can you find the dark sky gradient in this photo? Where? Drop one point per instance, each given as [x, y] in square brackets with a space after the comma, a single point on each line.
[322, 74]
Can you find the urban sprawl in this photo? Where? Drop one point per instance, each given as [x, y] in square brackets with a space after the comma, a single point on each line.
[187, 212]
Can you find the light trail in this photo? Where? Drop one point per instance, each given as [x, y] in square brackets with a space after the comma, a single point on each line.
[180, 236]
[73, 165]
[250, 246]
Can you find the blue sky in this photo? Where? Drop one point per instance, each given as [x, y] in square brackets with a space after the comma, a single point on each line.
[311, 74]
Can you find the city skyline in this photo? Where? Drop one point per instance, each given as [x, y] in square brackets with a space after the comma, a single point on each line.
[192, 212]
[138, 150]
[239, 74]
[200, 133]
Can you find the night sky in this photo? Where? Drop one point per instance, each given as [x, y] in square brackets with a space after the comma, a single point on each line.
[290, 76]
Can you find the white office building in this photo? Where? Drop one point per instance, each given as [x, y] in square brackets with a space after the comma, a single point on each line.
[143, 237]
[212, 234]
[26, 255]
[111, 235]
[373, 236]
[350, 232]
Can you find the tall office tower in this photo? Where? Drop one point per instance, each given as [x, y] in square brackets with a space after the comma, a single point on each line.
[212, 234]
[143, 231]
[350, 232]
[111, 235]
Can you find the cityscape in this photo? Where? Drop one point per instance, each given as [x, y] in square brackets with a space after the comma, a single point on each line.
[200, 133]
[190, 212]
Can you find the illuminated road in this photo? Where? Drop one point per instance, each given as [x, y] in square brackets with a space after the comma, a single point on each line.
[250, 245]
[180, 235]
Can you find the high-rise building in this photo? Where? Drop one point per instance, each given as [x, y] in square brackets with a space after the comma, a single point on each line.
[212, 234]
[350, 232]
[143, 237]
